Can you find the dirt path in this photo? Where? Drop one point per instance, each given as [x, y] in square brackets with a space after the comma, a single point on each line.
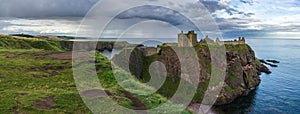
[137, 104]
[93, 93]
[64, 56]
[69, 55]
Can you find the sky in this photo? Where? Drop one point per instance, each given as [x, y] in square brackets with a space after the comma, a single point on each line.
[249, 18]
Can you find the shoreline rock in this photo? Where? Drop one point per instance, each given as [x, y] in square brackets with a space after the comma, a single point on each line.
[273, 61]
[269, 62]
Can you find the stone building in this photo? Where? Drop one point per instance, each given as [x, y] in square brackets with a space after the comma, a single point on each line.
[240, 40]
[187, 40]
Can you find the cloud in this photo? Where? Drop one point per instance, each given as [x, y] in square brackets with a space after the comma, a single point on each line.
[45, 8]
[250, 2]
[157, 13]
[39, 26]
[214, 6]
[225, 2]
[233, 17]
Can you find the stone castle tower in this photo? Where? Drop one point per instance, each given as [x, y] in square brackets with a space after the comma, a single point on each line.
[187, 40]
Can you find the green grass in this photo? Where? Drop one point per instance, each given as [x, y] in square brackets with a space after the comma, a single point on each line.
[16, 42]
[151, 101]
[238, 47]
[26, 78]
[22, 73]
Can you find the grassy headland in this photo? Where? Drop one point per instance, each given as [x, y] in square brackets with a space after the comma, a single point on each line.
[36, 77]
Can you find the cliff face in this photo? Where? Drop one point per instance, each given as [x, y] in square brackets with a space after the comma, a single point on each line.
[243, 70]
[242, 74]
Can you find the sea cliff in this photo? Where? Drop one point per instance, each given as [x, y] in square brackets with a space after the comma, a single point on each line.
[242, 73]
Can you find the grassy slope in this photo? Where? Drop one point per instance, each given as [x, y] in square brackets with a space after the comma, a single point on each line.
[28, 75]
[16, 42]
[24, 80]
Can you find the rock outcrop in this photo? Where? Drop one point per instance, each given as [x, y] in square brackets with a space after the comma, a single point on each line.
[242, 74]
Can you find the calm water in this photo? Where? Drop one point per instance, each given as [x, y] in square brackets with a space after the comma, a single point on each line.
[278, 92]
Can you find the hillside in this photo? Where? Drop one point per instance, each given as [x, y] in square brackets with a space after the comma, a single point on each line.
[36, 77]
[17, 42]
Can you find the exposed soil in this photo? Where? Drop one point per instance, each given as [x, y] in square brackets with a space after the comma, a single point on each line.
[194, 107]
[23, 94]
[54, 73]
[8, 56]
[63, 56]
[19, 103]
[137, 104]
[93, 93]
[56, 67]
[69, 55]
[15, 110]
[40, 55]
[78, 111]
[51, 69]
[45, 104]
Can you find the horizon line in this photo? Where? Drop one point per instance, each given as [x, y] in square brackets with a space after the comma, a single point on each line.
[286, 38]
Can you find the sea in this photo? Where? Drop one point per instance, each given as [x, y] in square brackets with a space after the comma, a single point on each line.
[278, 92]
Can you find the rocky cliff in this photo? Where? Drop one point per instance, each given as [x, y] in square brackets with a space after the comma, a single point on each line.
[242, 74]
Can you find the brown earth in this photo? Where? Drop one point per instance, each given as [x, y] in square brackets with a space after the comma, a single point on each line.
[45, 104]
[137, 104]
[23, 94]
[15, 110]
[69, 55]
[93, 93]
[63, 56]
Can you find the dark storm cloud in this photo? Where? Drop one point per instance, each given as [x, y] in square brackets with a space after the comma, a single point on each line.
[250, 2]
[214, 6]
[153, 13]
[157, 13]
[45, 8]
[173, 17]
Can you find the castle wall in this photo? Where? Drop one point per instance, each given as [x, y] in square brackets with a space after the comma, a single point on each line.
[193, 38]
[148, 51]
[187, 40]
[234, 42]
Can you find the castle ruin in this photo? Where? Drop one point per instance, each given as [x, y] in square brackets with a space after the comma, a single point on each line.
[187, 40]
[240, 40]
[190, 40]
